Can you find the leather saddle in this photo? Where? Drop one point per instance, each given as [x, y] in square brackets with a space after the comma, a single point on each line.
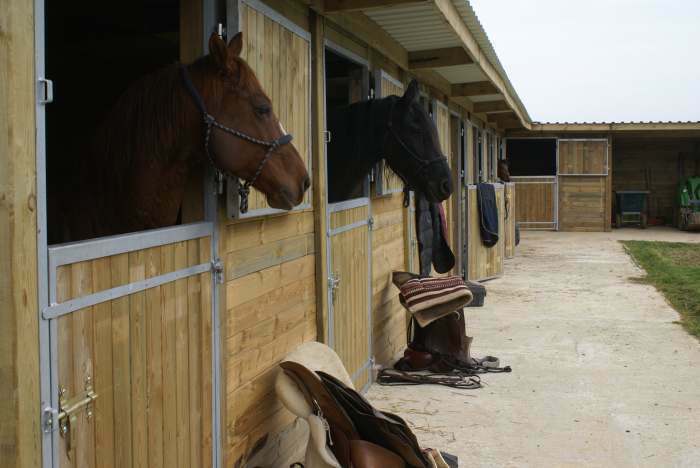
[359, 435]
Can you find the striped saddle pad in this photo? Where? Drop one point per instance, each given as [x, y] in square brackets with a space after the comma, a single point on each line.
[429, 299]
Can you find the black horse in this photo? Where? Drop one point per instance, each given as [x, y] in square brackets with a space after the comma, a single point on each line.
[394, 128]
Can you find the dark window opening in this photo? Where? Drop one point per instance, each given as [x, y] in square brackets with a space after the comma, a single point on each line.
[94, 52]
[532, 156]
[346, 83]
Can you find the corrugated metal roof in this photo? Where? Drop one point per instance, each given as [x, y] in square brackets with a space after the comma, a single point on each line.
[421, 27]
[472, 21]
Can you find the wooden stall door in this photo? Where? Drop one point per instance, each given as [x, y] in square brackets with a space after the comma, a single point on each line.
[147, 357]
[537, 202]
[349, 260]
[583, 173]
[484, 262]
[350, 285]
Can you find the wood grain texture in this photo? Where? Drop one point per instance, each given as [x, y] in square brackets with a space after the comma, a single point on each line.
[536, 202]
[484, 262]
[387, 180]
[510, 206]
[20, 430]
[281, 61]
[148, 355]
[582, 203]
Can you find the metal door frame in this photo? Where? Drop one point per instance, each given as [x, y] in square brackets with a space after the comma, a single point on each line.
[554, 176]
[49, 258]
[330, 208]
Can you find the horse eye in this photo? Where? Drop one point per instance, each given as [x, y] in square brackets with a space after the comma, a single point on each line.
[263, 110]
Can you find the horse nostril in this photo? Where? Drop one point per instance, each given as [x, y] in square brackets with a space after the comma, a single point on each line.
[307, 183]
[446, 187]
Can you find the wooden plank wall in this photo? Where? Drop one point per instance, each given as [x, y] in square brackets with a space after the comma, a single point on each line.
[655, 164]
[148, 356]
[270, 299]
[388, 254]
[390, 182]
[584, 195]
[442, 122]
[281, 61]
[20, 429]
[536, 202]
[582, 203]
[510, 205]
[484, 262]
[351, 301]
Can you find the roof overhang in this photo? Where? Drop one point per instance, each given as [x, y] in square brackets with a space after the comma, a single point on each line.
[443, 40]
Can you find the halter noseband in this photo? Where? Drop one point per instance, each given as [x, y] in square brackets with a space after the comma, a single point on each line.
[422, 163]
[210, 121]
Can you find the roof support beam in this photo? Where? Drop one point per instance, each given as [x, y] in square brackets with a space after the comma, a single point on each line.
[477, 88]
[435, 58]
[501, 116]
[509, 124]
[452, 17]
[331, 6]
[491, 106]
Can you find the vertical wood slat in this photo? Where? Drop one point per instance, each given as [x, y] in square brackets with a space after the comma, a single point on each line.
[81, 285]
[181, 361]
[103, 379]
[170, 427]
[154, 361]
[137, 323]
[121, 366]
[194, 316]
[206, 354]
[65, 345]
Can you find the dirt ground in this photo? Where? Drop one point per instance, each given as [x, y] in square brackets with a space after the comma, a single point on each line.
[602, 376]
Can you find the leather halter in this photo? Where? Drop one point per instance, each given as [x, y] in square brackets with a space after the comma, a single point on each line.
[211, 122]
[423, 164]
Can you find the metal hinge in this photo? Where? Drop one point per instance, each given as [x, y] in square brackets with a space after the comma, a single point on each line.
[371, 93]
[327, 136]
[370, 223]
[333, 282]
[45, 91]
[218, 183]
[461, 131]
[217, 269]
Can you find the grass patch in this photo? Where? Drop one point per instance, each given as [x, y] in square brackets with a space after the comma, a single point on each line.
[674, 269]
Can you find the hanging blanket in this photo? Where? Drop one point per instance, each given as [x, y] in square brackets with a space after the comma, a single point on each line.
[432, 237]
[488, 214]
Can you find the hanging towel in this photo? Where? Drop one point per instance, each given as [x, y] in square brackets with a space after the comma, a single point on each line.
[488, 214]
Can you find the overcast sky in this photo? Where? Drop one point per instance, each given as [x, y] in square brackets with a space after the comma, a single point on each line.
[599, 60]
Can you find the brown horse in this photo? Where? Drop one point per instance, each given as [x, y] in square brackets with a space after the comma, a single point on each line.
[134, 175]
[503, 170]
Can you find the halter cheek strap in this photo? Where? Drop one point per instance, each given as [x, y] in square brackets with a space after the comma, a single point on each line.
[211, 122]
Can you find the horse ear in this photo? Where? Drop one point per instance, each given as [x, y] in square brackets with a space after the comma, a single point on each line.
[218, 51]
[412, 92]
[235, 45]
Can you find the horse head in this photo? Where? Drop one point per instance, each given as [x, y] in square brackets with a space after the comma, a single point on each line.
[413, 148]
[242, 105]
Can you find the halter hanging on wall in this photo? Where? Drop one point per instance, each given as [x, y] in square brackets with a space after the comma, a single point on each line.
[211, 122]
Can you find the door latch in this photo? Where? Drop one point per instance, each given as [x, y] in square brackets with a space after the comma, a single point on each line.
[333, 283]
[217, 269]
[68, 410]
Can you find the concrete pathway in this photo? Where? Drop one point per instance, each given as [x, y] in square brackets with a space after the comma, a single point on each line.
[602, 377]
